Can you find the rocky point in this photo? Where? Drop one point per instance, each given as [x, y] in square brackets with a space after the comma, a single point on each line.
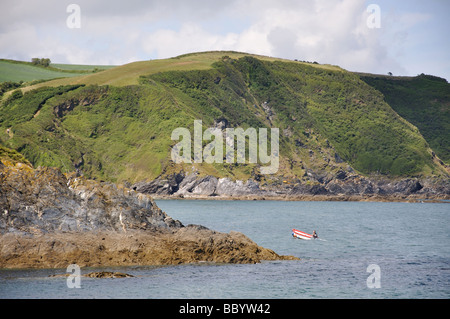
[50, 219]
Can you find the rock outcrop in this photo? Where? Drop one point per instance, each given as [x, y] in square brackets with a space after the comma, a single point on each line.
[342, 184]
[49, 219]
[189, 244]
[191, 185]
[99, 274]
[44, 200]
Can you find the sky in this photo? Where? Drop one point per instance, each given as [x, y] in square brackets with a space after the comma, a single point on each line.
[405, 37]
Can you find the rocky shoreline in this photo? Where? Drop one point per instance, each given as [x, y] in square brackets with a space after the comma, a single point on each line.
[99, 274]
[51, 220]
[317, 198]
[343, 186]
[190, 244]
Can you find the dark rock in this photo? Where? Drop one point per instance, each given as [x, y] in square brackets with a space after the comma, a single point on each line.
[341, 175]
[198, 186]
[343, 182]
[194, 185]
[44, 200]
[337, 158]
[49, 220]
[306, 189]
[221, 123]
[160, 186]
[107, 274]
[335, 188]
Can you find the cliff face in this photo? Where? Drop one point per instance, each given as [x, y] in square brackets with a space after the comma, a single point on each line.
[48, 219]
[45, 200]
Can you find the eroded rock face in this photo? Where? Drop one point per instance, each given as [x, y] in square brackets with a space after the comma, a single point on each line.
[342, 183]
[135, 247]
[45, 200]
[192, 185]
[50, 220]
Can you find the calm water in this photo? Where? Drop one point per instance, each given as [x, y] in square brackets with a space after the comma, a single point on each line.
[409, 242]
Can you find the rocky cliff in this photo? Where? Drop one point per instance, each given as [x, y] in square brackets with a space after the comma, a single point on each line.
[49, 219]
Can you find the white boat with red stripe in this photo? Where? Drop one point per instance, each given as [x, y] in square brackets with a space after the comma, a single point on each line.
[302, 235]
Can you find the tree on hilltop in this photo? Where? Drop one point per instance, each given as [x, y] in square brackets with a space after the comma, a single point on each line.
[44, 61]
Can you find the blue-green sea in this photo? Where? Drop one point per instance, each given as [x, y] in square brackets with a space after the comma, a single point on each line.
[409, 244]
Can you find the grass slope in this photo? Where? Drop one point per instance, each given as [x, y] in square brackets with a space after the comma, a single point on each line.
[422, 100]
[116, 124]
[81, 67]
[129, 74]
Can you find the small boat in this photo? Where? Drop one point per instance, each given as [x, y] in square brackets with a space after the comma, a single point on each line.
[302, 235]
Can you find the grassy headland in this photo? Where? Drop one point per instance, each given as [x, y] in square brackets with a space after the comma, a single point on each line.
[116, 124]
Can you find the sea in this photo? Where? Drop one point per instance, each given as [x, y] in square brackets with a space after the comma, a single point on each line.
[365, 250]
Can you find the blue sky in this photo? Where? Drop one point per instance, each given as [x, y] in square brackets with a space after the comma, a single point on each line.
[412, 37]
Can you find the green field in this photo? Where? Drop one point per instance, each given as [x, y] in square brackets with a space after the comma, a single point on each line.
[81, 67]
[16, 71]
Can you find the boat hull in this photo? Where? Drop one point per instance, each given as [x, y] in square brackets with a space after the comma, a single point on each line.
[301, 235]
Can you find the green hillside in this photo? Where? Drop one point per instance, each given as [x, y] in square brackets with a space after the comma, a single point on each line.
[422, 100]
[116, 124]
[128, 74]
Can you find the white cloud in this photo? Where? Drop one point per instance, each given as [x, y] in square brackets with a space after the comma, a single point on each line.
[117, 32]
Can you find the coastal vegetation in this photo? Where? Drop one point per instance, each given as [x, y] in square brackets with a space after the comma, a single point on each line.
[81, 148]
[424, 102]
[116, 124]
